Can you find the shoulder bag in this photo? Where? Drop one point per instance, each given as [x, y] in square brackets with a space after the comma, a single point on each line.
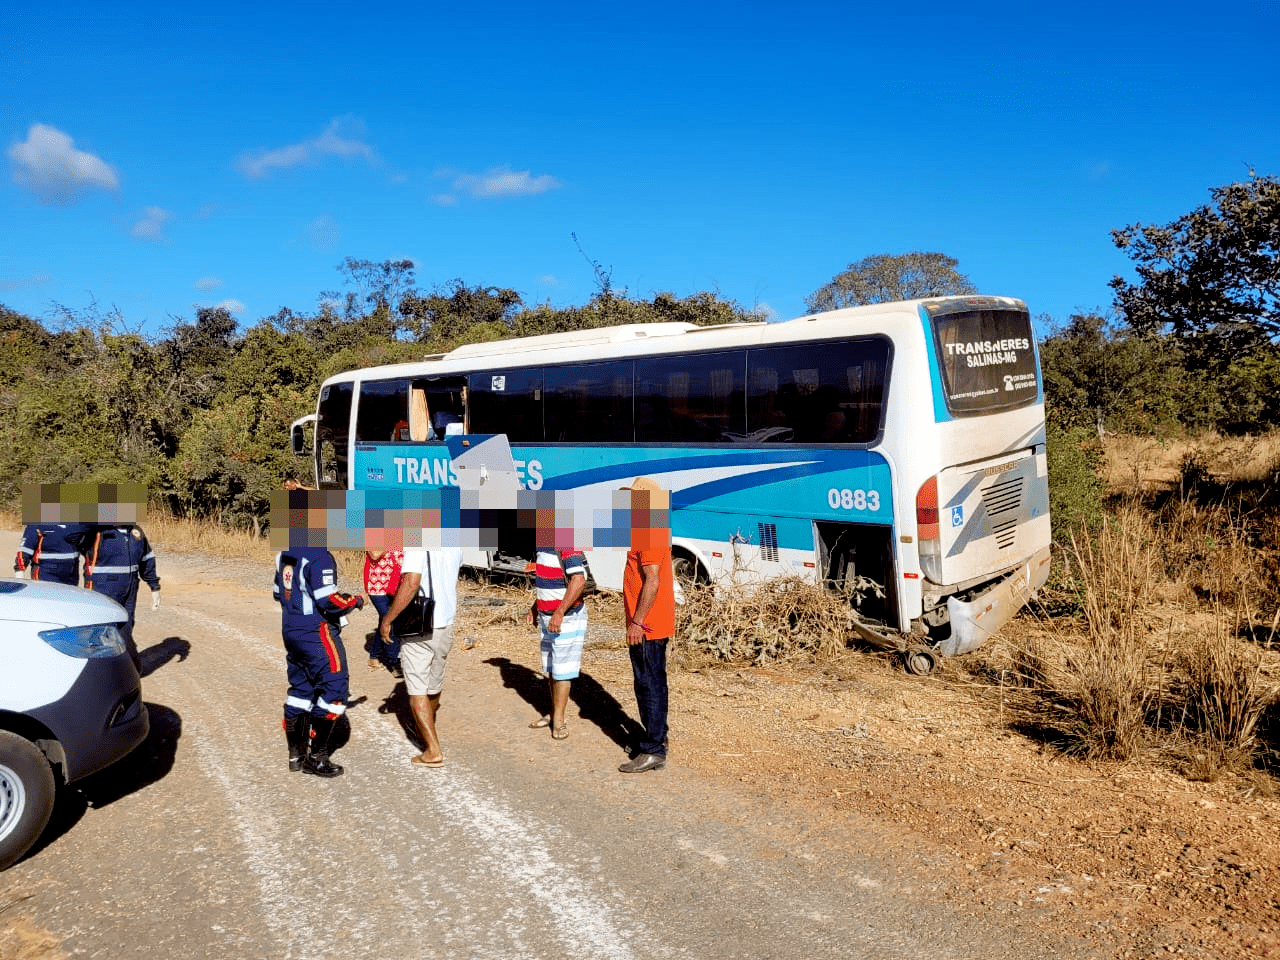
[416, 620]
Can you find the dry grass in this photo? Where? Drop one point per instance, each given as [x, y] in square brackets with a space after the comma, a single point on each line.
[1108, 672]
[779, 620]
[1166, 656]
[1208, 550]
[1143, 464]
[1226, 697]
[205, 536]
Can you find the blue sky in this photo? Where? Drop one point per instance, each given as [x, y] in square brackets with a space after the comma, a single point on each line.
[158, 159]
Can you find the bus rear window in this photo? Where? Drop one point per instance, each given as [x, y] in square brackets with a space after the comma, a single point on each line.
[987, 359]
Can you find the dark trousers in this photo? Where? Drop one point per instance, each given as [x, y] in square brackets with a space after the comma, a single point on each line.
[388, 652]
[124, 591]
[649, 669]
[317, 665]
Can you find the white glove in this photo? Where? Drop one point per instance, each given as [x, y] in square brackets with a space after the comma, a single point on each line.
[155, 599]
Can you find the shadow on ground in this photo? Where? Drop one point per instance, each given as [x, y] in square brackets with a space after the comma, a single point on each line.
[595, 704]
[156, 656]
[149, 762]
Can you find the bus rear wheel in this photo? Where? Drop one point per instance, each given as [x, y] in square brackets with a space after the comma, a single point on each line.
[687, 571]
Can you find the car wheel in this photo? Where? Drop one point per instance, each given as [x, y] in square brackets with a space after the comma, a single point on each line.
[27, 792]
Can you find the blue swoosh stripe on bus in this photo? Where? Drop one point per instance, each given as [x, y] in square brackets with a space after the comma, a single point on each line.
[785, 467]
[745, 481]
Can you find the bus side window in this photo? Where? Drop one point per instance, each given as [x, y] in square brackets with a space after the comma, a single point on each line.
[382, 411]
[506, 401]
[696, 398]
[832, 396]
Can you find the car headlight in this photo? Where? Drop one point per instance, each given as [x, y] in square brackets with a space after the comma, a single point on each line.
[94, 640]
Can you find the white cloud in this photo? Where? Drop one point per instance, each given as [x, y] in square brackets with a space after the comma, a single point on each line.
[208, 283]
[444, 200]
[151, 227]
[325, 232]
[341, 138]
[504, 182]
[31, 281]
[48, 165]
[231, 305]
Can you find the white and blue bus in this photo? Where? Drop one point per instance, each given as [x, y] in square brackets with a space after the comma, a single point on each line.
[897, 449]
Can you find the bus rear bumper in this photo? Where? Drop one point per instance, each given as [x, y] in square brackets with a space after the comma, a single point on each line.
[974, 621]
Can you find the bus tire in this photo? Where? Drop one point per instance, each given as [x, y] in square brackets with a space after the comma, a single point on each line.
[27, 793]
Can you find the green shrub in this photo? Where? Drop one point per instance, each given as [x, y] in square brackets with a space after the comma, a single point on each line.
[1075, 491]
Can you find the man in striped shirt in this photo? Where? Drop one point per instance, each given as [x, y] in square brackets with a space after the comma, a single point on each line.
[562, 621]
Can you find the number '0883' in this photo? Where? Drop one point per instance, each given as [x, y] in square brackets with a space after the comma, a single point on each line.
[847, 499]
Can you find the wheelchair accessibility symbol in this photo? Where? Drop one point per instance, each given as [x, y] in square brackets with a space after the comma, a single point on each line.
[957, 516]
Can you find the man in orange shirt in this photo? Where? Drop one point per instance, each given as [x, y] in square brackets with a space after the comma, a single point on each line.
[648, 590]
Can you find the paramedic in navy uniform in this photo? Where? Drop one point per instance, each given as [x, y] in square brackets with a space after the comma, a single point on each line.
[51, 552]
[312, 609]
[115, 559]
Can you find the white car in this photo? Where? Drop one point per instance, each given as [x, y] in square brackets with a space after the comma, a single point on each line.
[70, 700]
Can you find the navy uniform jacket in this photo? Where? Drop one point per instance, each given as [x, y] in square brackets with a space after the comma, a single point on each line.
[51, 551]
[307, 588]
[116, 559]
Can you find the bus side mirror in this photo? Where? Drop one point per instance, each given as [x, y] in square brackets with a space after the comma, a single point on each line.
[298, 440]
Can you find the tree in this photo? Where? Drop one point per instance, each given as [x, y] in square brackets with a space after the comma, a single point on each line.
[379, 291]
[1215, 269]
[445, 316]
[886, 277]
[1102, 375]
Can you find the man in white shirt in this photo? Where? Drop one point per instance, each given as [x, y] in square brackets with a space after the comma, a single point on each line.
[422, 656]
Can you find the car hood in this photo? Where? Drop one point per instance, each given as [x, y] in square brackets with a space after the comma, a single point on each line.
[55, 603]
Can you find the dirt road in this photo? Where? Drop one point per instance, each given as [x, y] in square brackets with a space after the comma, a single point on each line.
[203, 845]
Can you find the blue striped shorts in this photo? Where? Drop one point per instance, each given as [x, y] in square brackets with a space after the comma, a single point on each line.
[562, 652]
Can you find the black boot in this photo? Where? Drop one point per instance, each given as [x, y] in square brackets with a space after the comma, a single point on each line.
[297, 730]
[317, 761]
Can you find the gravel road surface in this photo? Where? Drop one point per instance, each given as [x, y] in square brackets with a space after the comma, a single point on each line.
[203, 845]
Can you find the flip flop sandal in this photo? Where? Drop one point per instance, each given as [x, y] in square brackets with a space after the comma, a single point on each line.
[419, 762]
[560, 733]
[540, 723]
